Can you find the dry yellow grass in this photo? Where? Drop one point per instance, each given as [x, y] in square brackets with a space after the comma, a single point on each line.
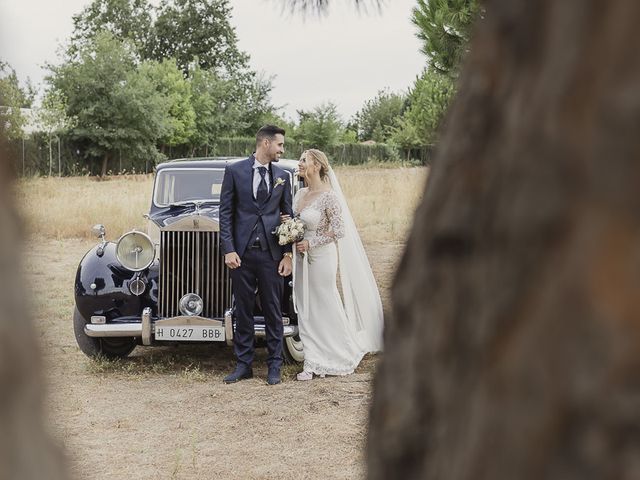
[68, 207]
[382, 201]
[115, 418]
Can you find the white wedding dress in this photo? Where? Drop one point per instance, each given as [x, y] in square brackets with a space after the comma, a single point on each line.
[335, 335]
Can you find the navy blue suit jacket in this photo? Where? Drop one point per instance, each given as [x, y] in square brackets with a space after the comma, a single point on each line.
[239, 211]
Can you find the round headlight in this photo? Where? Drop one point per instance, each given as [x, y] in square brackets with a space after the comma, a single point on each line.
[135, 251]
[191, 304]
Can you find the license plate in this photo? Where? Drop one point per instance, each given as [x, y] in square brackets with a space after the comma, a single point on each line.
[190, 333]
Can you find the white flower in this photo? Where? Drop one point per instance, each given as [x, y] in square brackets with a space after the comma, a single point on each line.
[290, 231]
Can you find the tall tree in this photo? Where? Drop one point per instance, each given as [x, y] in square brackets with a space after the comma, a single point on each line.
[198, 30]
[216, 112]
[444, 26]
[113, 105]
[428, 103]
[12, 98]
[406, 137]
[321, 127]
[196, 36]
[176, 91]
[228, 107]
[512, 351]
[378, 116]
[254, 92]
[130, 20]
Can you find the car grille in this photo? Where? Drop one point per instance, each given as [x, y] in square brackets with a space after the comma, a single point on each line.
[192, 262]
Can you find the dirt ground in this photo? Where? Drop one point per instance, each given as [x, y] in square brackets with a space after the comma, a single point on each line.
[164, 413]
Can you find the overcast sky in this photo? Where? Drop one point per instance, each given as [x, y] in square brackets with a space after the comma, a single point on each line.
[344, 57]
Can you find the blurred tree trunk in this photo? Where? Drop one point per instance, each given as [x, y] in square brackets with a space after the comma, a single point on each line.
[513, 351]
[26, 452]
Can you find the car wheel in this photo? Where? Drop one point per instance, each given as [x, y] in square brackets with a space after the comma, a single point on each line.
[110, 347]
[292, 350]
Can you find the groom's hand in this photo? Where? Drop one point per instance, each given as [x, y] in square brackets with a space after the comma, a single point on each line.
[232, 260]
[284, 268]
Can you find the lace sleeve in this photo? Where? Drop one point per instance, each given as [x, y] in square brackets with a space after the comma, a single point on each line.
[296, 199]
[331, 226]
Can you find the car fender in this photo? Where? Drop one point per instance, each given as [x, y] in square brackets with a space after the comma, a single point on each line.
[102, 286]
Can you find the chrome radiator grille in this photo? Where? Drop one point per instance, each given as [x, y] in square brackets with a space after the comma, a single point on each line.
[192, 262]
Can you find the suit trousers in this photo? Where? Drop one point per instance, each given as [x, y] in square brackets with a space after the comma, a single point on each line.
[258, 269]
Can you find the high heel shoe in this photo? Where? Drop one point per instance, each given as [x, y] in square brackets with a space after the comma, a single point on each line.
[304, 375]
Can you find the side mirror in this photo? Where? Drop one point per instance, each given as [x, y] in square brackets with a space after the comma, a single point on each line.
[98, 230]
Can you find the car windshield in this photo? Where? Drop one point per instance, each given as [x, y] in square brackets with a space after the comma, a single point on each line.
[186, 185]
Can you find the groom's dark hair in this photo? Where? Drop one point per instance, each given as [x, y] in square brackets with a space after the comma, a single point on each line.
[268, 131]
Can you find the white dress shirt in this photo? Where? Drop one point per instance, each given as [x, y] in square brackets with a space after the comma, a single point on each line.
[257, 178]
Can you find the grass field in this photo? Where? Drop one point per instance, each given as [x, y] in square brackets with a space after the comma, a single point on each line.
[381, 200]
[164, 413]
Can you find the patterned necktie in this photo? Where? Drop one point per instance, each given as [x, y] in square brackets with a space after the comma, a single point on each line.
[263, 192]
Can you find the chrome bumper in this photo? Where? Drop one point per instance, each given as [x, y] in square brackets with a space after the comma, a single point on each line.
[145, 328]
[289, 331]
[142, 329]
[114, 330]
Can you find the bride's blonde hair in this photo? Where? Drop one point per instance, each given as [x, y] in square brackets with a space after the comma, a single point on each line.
[320, 159]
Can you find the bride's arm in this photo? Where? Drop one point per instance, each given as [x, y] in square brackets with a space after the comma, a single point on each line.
[332, 226]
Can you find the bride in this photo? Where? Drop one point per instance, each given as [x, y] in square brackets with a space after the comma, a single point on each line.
[335, 332]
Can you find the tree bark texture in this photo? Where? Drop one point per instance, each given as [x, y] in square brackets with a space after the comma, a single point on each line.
[26, 451]
[513, 351]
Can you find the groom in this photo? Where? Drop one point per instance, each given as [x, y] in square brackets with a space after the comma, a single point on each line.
[254, 194]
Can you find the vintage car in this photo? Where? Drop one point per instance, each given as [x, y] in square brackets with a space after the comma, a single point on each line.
[169, 285]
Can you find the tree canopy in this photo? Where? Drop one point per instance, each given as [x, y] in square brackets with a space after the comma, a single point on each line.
[176, 90]
[116, 107]
[444, 26]
[13, 97]
[321, 127]
[197, 32]
[428, 103]
[178, 62]
[189, 31]
[183, 61]
[125, 19]
[379, 115]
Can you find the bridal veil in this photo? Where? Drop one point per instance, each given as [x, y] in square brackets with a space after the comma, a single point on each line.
[360, 293]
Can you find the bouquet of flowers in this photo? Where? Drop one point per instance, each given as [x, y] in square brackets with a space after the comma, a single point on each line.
[290, 231]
